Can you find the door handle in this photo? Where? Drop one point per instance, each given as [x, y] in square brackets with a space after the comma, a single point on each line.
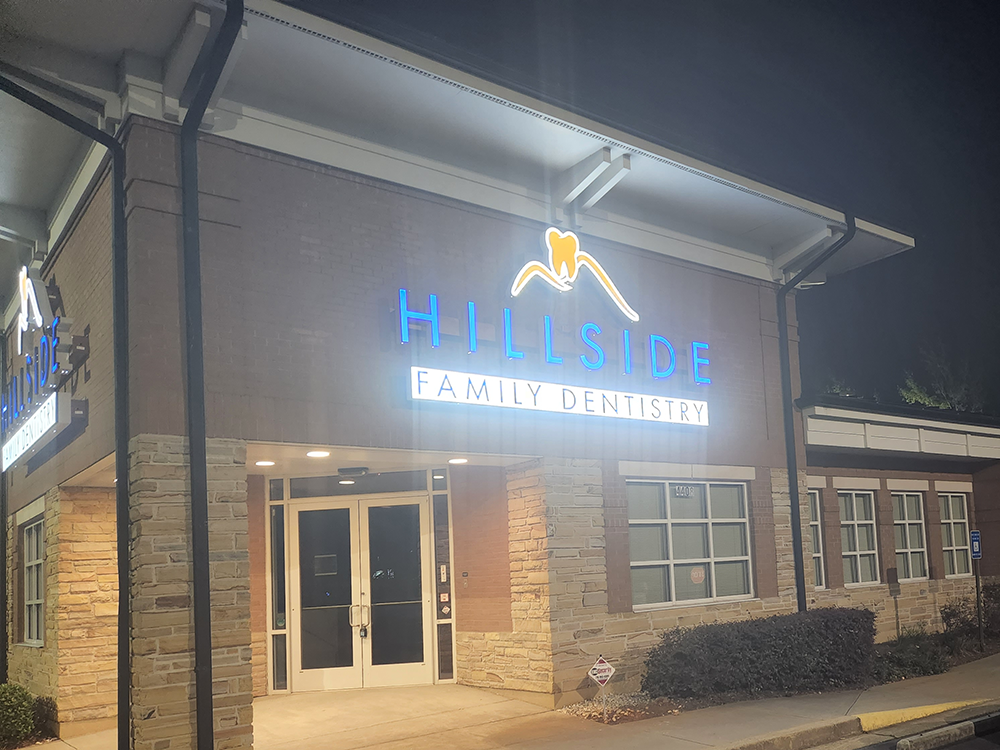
[366, 622]
[350, 616]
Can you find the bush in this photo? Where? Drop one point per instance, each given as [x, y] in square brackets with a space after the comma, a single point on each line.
[914, 653]
[961, 628]
[17, 714]
[804, 652]
[45, 716]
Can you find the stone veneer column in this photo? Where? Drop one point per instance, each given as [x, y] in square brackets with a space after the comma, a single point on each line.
[163, 709]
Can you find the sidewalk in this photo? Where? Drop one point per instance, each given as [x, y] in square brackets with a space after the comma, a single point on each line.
[462, 718]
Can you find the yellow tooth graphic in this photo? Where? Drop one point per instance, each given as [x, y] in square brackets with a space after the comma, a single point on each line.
[565, 260]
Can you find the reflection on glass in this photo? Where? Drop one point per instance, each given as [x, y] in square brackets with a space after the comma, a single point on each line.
[729, 540]
[394, 564]
[732, 578]
[648, 543]
[851, 569]
[326, 635]
[650, 585]
[645, 500]
[690, 541]
[958, 506]
[279, 662]
[869, 570]
[692, 581]
[278, 567]
[902, 565]
[727, 501]
[914, 511]
[866, 538]
[919, 560]
[846, 507]
[277, 487]
[864, 507]
[916, 536]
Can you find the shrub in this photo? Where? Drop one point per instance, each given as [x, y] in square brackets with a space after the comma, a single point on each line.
[17, 714]
[914, 653]
[45, 716]
[803, 652]
[961, 628]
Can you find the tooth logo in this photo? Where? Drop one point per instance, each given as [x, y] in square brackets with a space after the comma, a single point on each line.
[565, 261]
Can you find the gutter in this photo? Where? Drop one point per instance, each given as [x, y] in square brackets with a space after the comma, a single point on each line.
[119, 254]
[788, 413]
[195, 364]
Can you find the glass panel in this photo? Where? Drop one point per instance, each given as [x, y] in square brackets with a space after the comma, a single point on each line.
[690, 541]
[961, 533]
[902, 565]
[898, 509]
[732, 578]
[818, 572]
[899, 532]
[863, 504]
[945, 507]
[729, 540]
[866, 538]
[869, 571]
[645, 500]
[446, 669]
[692, 581]
[325, 583]
[947, 536]
[439, 481]
[949, 562]
[650, 585]
[648, 543]
[850, 569]
[814, 506]
[687, 501]
[962, 561]
[279, 665]
[919, 562]
[814, 538]
[727, 501]
[388, 481]
[394, 564]
[958, 506]
[914, 508]
[916, 536]
[848, 539]
[278, 567]
[846, 507]
[277, 489]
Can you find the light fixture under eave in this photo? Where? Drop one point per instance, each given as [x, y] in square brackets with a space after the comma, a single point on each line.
[346, 481]
[264, 463]
[458, 460]
[318, 454]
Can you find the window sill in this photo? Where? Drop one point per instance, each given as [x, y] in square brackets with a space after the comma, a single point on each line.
[29, 644]
[864, 585]
[637, 608]
[922, 579]
[958, 576]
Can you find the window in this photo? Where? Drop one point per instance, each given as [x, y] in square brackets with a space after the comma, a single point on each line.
[908, 527]
[816, 539]
[955, 535]
[34, 583]
[857, 537]
[688, 541]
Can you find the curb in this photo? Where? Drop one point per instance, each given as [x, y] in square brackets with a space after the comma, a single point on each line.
[938, 738]
[800, 738]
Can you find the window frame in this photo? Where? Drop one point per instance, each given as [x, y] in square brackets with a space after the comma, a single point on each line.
[857, 553]
[818, 523]
[906, 522]
[950, 522]
[710, 562]
[32, 538]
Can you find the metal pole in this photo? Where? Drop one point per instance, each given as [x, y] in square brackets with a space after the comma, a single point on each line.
[788, 413]
[979, 607]
[195, 361]
[119, 314]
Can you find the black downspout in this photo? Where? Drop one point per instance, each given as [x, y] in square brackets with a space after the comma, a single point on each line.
[786, 405]
[195, 360]
[119, 314]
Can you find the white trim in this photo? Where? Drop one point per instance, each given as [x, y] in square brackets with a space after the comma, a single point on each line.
[34, 508]
[864, 416]
[908, 485]
[944, 485]
[659, 470]
[856, 483]
[816, 482]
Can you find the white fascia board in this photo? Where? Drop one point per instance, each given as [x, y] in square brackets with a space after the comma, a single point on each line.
[300, 140]
[610, 135]
[851, 415]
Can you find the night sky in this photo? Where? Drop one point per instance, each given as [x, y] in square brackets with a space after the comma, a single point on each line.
[886, 109]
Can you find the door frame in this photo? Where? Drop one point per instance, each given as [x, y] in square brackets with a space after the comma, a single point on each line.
[422, 674]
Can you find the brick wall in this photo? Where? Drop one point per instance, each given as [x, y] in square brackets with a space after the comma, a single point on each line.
[163, 638]
[482, 549]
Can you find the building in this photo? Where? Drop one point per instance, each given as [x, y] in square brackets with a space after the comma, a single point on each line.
[491, 388]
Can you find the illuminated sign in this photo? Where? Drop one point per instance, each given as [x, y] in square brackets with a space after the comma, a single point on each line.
[475, 389]
[565, 261]
[47, 417]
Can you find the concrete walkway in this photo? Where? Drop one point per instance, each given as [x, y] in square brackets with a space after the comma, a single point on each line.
[462, 718]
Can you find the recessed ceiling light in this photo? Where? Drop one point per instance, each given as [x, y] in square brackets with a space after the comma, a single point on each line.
[439, 476]
[458, 460]
[318, 454]
[346, 481]
[265, 463]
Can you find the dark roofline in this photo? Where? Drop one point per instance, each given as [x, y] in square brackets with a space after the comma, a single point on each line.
[914, 412]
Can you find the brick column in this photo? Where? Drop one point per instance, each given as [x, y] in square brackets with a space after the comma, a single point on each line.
[163, 712]
[932, 524]
[833, 558]
[884, 527]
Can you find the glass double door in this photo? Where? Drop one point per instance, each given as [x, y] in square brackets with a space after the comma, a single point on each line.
[361, 593]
